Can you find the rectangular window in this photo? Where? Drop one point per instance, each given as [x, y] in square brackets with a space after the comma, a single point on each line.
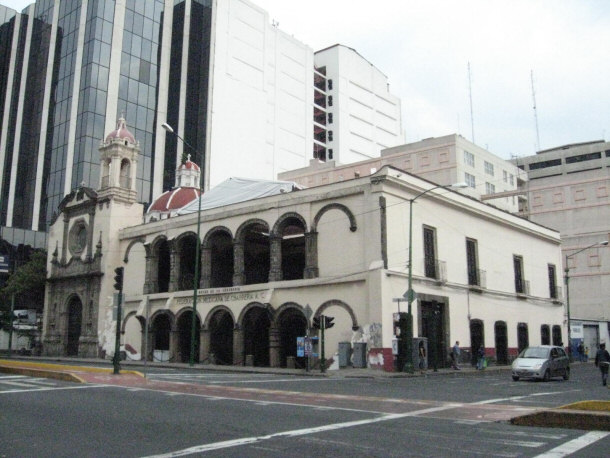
[583, 157]
[468, 158]
[518, 266]
[544, 164]
[472, 262]
[490, 188]
[470, 180]
[430, 252]
[512, 179]
[505, 176]
[489, 168]
[552, 282]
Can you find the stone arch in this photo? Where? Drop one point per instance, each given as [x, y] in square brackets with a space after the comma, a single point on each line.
[216, 229]
[289, 323]
[218, 258]
[347, 308]
[162, 322]
[125, 173]
[252, 253]
[159, 265]
[288, 248]
[185, 247]
[140, 318]
[183, 328]
[282, 220]
[255, 323]
[141, 240]
[74, 320]
[335, 206]
[218, 333]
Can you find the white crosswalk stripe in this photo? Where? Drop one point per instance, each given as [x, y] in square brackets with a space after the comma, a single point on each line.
[24, 381]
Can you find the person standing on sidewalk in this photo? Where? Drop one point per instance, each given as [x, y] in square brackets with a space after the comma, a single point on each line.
[602, 360]
[455, 354]
[481, 358]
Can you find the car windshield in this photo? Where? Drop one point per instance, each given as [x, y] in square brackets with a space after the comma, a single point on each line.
[535, 352]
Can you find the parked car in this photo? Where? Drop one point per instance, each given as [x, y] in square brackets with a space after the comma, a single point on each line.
[543, 363]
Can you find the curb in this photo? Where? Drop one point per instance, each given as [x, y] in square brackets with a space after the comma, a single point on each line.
[55, 371]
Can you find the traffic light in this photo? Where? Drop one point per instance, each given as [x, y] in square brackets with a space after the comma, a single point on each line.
[316, 322]
[328, 322]
[118, 278]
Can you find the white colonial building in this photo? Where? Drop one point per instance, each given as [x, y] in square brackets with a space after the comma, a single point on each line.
[277, 258]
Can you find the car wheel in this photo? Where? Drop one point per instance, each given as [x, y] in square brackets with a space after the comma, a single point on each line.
[566, 374]
[515, 378]
[547, 376]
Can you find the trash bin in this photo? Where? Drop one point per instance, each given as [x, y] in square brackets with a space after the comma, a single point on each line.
[345, 352]
[359, 359]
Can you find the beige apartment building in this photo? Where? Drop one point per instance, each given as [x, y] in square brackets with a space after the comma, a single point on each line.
[568, 190]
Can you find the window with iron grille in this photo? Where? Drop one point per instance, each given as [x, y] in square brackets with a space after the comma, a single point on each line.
[471, 262]
[552, 282]
[519, 283]
[430, 252]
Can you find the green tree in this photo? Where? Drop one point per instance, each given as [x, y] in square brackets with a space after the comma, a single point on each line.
[27, 284]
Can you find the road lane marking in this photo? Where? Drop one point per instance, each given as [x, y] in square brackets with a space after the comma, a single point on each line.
[54, 388]
[516, 398]
[294, 433]
[574, 445]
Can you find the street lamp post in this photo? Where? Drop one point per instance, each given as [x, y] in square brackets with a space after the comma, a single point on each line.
[169, 129]
[410, 293]
[567, 281]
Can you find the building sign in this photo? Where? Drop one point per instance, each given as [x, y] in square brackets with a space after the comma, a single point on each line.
[4, 261]
[576, 330]
[225, 295]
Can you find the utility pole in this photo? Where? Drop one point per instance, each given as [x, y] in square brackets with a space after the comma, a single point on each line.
[118, 285]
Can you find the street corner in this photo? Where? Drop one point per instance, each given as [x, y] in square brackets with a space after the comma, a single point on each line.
[585, 415]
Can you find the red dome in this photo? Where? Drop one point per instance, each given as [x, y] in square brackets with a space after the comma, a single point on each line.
[121, 132]
[174, 199]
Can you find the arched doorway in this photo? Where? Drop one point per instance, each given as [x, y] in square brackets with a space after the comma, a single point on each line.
[221, 337]
[161, 328]
[292, 233]
[221, 259]
[163, 267]
[187, 254]
[291, 324]
[477, 339]
[256, 324]
[523, 339]
[185, 330]
[256, 254]
[75, 319]
[501, 336]
[545, 335]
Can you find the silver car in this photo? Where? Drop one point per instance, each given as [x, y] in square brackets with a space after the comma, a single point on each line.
[542, 363]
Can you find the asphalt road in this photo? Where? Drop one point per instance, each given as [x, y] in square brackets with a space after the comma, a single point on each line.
[195, 413]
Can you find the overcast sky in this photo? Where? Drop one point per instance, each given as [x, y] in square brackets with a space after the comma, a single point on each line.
[424, 47]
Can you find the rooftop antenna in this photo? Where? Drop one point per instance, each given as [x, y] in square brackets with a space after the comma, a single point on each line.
[470, 95]
[535, 112]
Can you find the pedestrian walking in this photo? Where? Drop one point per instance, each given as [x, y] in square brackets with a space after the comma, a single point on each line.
[455, 356]
[481, 358]
[602, 360]
[581, 351]
[422, 358]
[586, 354]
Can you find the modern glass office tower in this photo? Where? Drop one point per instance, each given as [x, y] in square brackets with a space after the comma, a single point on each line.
[238, 90]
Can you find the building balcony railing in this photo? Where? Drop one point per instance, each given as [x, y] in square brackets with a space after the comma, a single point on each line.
[477, 277]
[435, 268]
[556, 292]
[522, 287]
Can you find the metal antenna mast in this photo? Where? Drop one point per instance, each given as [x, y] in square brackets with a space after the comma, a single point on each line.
[470, 95]
[535, 112]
